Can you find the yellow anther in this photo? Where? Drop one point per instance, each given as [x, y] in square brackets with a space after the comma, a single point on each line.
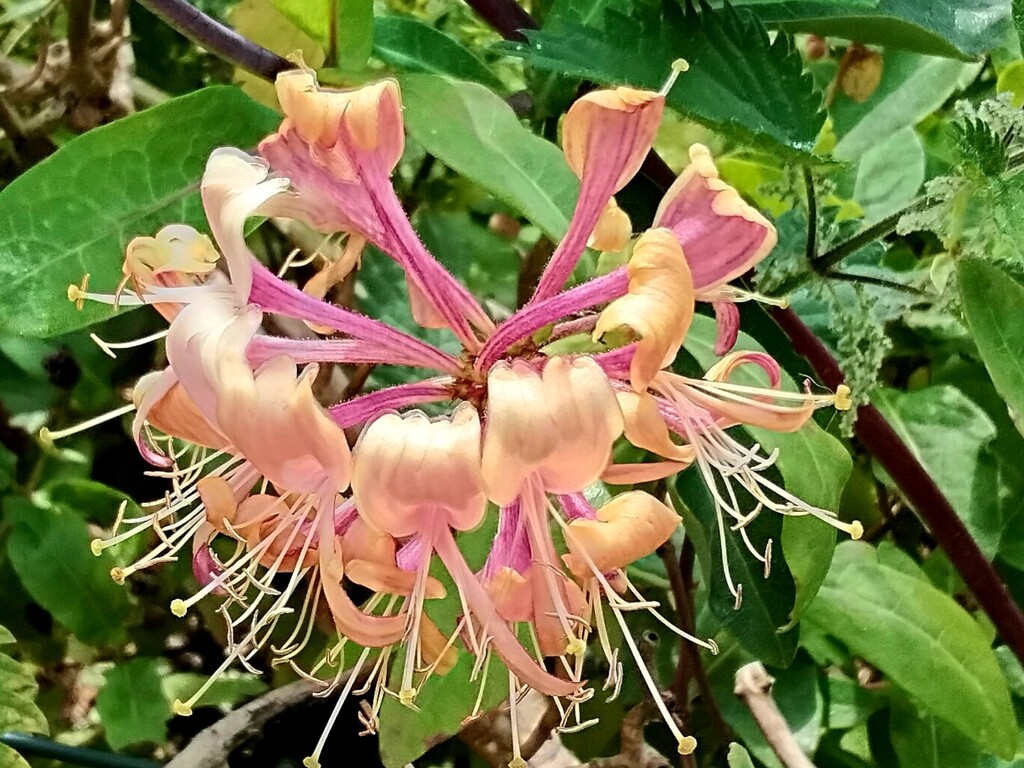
[178, 607]
[575, 647]
[518, 762]
[678, 67]
[407, 696]
[96, 547]
[76, 293]
[855, 529]
[311, 762]
[181, 708]
[843, 401]
[117, 574]
[687, 745]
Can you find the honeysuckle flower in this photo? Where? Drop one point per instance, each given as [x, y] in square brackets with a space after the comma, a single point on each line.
[268, 467]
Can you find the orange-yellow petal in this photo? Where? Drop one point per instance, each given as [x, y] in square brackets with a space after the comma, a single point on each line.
[658, 307]
[630, 526]
[613, 229]
[611, 131]
[559, 424]
[409, 467]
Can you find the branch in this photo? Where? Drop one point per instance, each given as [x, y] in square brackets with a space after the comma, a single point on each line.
[754, 687]
[882, 442]
[212, 746]
[214, 36]
[505, 16]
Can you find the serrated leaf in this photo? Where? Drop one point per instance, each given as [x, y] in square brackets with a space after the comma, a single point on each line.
[922, 641]
[912, 87]
[413, 46]
[979, 147]
[49, 550]
[950, 436]
[964, 29]
[18, 711]
[474, 132]
[74, 212]
[131, 705]
[739, 82]
[814, 465]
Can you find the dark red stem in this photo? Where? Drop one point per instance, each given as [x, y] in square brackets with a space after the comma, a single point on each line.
[882, 442]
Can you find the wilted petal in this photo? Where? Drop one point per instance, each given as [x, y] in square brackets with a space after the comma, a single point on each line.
[658, 308]
[558, 424]
[722, 236]
[629, 527]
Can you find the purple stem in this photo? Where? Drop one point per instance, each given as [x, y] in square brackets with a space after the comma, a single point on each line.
[222, 40]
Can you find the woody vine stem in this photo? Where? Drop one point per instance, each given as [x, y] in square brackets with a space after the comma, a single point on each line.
[874, 432]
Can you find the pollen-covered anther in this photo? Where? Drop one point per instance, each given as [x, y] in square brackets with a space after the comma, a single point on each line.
[687, 745]
[117, 575]
[77, 293]
[178, 607]
[844, 399]
[181, 708]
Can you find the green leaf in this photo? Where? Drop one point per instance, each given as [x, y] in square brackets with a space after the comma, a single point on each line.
[1017, 16]
[950, 436]
[18, 711]
[353, 33]
[413, 46]
[131, 704]
[767, 601]
[922, 741]
[849, 703]
[311, 16]
[965, 29]
[814, 465]
[739, 81]
[922, 640]
[992, 302]
[912, 87]
[889, 174]
[474, 132]
[74, 212]
[49, 550]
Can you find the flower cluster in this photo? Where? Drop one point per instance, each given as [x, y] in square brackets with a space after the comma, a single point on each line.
[257, 462]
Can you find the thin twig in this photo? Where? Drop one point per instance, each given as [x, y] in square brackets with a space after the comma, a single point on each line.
[876, 231]
[221, 40]
[881, 282]
[505, 16]
[754, 687]
[212, 746]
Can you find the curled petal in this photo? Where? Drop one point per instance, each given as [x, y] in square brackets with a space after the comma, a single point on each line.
[723, 369]
[630, 526]
[435, 648]
[369, 117]
[511, 593]
[645, 428]
[219, 501]
[163, 403]
[722, 236]
[407, 469]
[610, 132]
[177, 257]
[727, 319]
[755, 413]
[613, 229]
[559, 424]
[658, 307]
[630, 474]
[391, 580]
[234, 187]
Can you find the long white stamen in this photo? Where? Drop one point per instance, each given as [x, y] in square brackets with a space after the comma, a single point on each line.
[48, 437]
[108, 347]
